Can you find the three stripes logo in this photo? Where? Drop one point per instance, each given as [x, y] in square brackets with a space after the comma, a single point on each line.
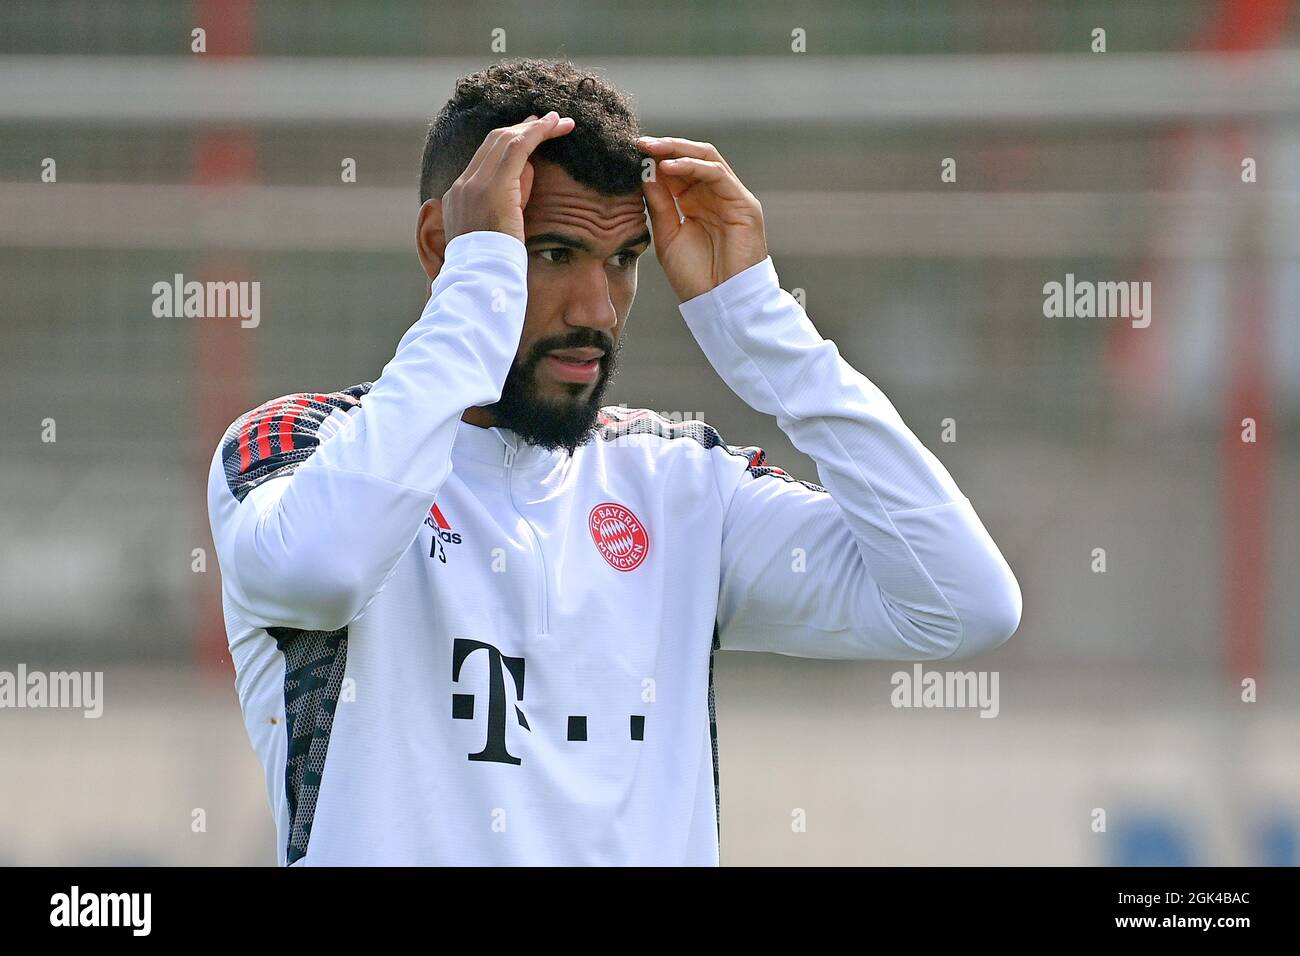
[619, 535]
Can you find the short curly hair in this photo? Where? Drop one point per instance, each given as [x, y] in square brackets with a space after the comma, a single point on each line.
[600, 153]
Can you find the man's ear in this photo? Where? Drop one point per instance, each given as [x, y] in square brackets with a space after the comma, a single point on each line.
[430, 239]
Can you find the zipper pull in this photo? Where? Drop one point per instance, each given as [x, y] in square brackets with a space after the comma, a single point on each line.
[510, 455]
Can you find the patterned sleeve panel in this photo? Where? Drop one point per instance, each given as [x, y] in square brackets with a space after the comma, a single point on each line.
[273, 439]
[615, 421]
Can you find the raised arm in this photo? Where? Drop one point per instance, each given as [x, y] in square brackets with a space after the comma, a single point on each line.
[314, 498]
[886, 558]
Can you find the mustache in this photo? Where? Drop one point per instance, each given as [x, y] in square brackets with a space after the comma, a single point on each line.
[578, 339]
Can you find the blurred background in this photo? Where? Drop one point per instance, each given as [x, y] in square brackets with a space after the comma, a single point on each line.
[1122, 690]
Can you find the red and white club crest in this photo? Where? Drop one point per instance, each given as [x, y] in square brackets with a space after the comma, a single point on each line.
[620, 537]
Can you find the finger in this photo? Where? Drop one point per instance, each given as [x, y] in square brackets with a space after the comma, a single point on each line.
[490, 154]
[526, 184]
[490, 145]
[664, 218]
[692, 171]
[527, 137]
[666, 146]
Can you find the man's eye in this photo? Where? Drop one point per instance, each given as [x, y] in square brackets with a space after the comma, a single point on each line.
[625, 260]
[562, 255]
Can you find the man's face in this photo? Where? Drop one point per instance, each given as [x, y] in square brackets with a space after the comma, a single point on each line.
[582, 259]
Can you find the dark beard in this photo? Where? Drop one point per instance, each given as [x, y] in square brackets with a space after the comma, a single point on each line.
[544, 423]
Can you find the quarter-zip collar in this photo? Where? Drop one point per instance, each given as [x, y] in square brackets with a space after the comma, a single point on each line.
[499, 446]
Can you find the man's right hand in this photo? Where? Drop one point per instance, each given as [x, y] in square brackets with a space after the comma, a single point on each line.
[494, 188]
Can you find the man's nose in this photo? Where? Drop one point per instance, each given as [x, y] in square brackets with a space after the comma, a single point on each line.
[591, 306]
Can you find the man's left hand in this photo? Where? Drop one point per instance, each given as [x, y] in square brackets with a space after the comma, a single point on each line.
[720, 232]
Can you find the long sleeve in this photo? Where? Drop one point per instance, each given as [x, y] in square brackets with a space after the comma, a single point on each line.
[314, 498]
[886, 558]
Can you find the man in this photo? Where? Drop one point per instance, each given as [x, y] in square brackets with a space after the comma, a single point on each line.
[472, 612]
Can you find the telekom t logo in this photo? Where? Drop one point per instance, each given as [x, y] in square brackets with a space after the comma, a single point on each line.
[462, 705]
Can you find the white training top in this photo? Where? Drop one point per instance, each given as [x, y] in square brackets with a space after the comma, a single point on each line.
[453, 647]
